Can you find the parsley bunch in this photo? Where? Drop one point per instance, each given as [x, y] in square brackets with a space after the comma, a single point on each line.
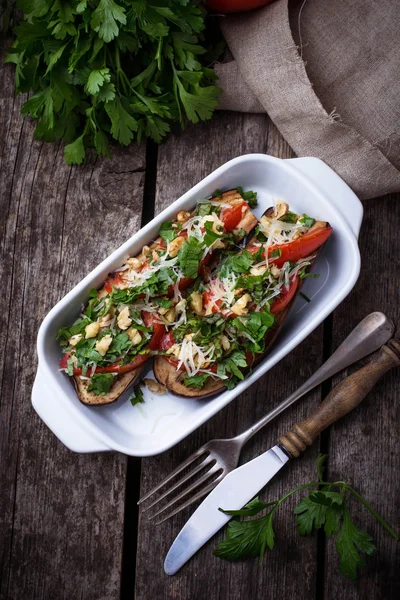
[324, 507]
[124, 69]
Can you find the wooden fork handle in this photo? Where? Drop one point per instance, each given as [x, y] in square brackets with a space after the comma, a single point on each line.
[342, 399]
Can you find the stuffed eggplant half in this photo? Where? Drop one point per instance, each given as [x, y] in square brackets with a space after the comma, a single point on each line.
[125, 322]
[232, 317]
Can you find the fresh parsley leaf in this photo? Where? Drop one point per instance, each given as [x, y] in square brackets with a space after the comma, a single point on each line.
[249, 196]
[166, 232]
[237, 263]
[204, 208]
[216, 194]
[276, 253]
[65, 333]
[137, 397]
[245, 539]
[210, 236]
[163, 302]
[306, 221]
[349, 543]
[196, 381]
[290, 217]
[100, 384]
[189, 257]
[320, 465]
[111, 68]
[323, 507]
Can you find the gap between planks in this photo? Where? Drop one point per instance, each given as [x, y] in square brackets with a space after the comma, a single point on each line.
[133, 468]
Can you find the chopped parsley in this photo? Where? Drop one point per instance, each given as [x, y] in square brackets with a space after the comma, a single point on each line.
[190, 256]
[137, 397]
[100, 384]
[167, 233]
[196, 381]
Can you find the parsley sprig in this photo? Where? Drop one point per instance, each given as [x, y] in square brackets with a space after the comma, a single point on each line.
[325, 507]
[111, 68]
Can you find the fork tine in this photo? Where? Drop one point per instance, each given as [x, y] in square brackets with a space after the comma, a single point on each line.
[206, 461]
[178, 469]
[196, 497]
[186, 491]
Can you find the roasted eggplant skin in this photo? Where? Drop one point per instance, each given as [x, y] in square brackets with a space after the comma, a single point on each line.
[120, 385]
[166, 373]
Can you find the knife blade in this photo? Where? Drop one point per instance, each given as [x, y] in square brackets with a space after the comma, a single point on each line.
[238, 488]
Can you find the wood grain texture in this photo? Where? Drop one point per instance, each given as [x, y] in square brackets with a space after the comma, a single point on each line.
[61, 514]
[364, 447]
[192, 156]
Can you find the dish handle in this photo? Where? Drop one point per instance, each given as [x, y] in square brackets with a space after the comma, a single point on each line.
[333, 186]
[60, 422]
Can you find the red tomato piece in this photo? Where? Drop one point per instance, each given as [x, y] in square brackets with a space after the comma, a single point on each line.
[286, 296]
[232, 216]
[150, 320]
[300, 248]
[114, 279]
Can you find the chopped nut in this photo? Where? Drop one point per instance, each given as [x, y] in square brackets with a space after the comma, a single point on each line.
[281, 209]
[103, 292]
[91, 330]
[196, 301]
[75, 339]
[154, 386]
[145, 250]
[183, 216]
[176, 245]
[225, 342]
[175, 350]
[155, 255]
[180, 307]
[170, 315]
[163, 311]
[103, 345]
[275, 271]
[134, 336]
[135, 263]
[124, 321]
[239, 308]
[105, 320]
[258, 270]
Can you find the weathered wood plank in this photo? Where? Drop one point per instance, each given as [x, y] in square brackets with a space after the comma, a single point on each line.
[364, 447]
[183, 161]
[61, 514]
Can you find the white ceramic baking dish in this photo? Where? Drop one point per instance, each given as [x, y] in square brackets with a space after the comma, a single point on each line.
[308, 185]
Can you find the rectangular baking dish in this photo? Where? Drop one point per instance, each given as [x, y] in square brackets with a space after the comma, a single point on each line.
[309, 186]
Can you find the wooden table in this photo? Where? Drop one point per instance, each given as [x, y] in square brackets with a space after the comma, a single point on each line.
[69, 524]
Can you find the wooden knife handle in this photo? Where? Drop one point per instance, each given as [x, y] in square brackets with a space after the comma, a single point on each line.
[342, 399]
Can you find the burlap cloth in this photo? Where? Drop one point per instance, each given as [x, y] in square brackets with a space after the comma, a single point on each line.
[330, 81]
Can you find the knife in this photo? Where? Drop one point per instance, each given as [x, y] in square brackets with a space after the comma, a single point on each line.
[242, 484]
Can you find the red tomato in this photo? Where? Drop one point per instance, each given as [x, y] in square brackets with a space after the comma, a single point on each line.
[114, 279]
[300, 248]
[231, 216]
[167, 341]
[286, 296]
[230, 6]
[208, 299]
[158, 329]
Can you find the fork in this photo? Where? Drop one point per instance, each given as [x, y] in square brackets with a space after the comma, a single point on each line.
[220, 456]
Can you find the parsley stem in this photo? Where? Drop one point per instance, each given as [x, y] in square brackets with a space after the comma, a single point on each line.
[371, 510]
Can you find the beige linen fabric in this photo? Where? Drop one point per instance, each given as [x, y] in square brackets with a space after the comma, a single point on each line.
[340, 100]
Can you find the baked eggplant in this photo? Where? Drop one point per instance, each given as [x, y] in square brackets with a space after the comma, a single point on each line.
[248, 307]
[123, 323]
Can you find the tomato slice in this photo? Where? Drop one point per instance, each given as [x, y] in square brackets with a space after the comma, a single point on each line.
[114, 279]
[286, 296]
[208, 299]
[300, 248]
[150, 320]
[232, 216]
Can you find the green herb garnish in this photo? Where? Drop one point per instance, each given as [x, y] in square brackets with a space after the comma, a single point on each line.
[167, 233]
[189, 257]
[111, 68]
[306, 221]
[100, 384]
[137, 397]
[196, 381]
[249, 196]
[325, 508]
